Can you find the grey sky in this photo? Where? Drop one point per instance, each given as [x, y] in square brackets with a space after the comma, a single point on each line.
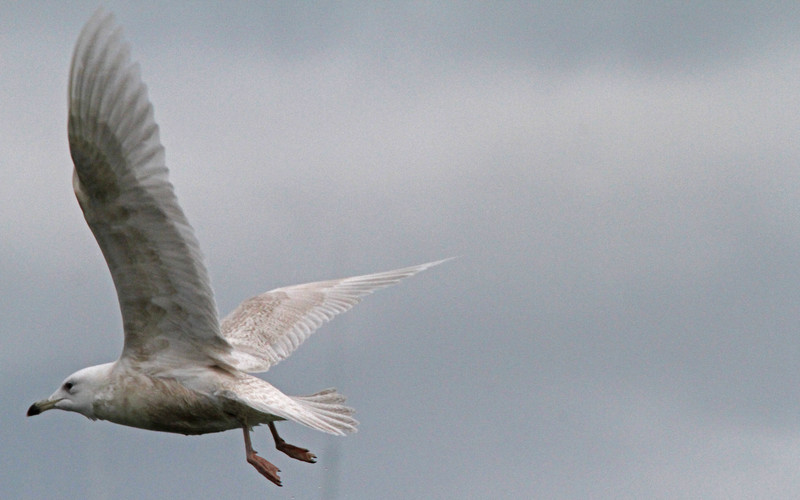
[620, 182]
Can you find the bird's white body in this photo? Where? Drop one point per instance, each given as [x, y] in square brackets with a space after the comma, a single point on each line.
[185, 401]
[181, 369]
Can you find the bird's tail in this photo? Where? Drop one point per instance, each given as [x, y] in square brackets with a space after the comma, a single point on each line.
[328, 409]
[324, 411]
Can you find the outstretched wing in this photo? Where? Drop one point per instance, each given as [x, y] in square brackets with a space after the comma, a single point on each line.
[269, 327]
[120, 180]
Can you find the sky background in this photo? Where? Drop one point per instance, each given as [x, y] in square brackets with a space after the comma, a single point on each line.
[620, 182]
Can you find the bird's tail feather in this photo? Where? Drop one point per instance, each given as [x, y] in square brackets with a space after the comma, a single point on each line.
[327, 408]
[324, 411]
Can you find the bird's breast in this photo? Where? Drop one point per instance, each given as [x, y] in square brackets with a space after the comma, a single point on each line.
[164, 404]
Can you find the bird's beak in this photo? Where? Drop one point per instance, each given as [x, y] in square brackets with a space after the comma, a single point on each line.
[43, 405]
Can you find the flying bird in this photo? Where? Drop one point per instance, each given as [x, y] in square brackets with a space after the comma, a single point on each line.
[181, 370]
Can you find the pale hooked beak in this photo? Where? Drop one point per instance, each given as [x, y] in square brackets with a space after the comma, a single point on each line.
[43, 405]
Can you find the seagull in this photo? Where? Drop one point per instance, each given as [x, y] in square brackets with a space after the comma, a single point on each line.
[181, 370]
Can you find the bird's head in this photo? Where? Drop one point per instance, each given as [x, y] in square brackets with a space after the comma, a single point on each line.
[77, 392]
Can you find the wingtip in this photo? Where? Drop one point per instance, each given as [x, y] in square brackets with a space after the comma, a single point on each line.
[441, 261]
[100, 17]
[428, 265]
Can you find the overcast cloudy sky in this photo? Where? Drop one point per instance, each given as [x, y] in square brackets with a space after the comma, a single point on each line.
[620, 182]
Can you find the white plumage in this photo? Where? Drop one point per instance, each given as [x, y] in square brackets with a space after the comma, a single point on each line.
[180, 369]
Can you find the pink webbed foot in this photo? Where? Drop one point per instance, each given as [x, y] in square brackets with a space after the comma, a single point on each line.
[296, 452]
[267, 469]
[293, 451]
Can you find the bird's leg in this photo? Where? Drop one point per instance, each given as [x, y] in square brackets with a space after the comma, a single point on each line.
[266, 469]
[290, 449]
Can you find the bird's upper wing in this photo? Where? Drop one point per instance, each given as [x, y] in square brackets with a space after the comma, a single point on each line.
[121, 183]
[269, 327]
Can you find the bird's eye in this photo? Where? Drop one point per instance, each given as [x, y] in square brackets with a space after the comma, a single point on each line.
[67, 386]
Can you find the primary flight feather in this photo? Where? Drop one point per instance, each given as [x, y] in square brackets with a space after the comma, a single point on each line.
[180, 370]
